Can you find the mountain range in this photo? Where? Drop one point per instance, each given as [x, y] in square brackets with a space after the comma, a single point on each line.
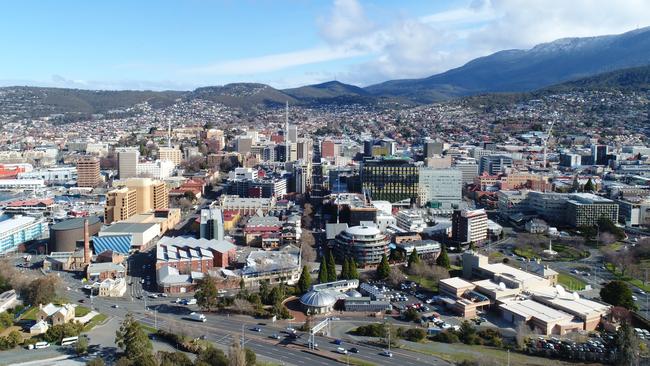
[570, 62]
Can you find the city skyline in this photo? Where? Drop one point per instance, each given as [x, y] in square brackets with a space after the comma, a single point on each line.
[181, 46]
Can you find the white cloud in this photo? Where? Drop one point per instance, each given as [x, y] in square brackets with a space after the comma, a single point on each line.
[347, 20]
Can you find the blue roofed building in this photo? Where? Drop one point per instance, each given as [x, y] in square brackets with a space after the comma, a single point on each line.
[115, 243]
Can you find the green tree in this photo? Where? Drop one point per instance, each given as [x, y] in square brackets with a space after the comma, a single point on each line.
[173, 359]
[443, 258]
[414, 258]
[133, 340]
[383, 270]
[354, 273]
[346, 270]
[322, 270]
[575, 187]
[41, 291]
[618, 293]
[264, 292]
[627, 344]
[472, 246]
[81, 347]
[251, 357]
[206, 293]
[6, 320]
[95, 362]
[331, 267]
[211, 356]
[589, 186]
[467, 333]
[305, 280]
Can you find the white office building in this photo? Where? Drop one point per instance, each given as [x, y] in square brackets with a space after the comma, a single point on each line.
[442, 188]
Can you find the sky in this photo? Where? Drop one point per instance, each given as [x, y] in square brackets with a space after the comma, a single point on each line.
[184, 44]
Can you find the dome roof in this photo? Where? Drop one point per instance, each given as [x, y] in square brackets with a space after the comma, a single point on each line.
[319, 299]
[353, 293]
[363, 230]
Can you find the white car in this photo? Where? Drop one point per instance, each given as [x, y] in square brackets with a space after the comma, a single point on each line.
[387, 353]
[342, 350]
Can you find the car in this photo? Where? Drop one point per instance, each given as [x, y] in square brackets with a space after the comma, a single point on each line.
[337, 342]
[274, 336]
[115, 306]
[163, 295]
[639, 291]
[354, 350]
[342, 350]
[82, 301]
[256, 329]
[387, 353]
[634, 298]
[153, 296]
[311, 345]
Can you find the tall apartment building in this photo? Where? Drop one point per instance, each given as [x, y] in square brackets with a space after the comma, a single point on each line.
[211, 224]
[135, 196]
[88, 174]
[469, 226]
[293, 133]
[170, 153]
[121, 204]
[127, 161]
[441, 187]
[390, 179]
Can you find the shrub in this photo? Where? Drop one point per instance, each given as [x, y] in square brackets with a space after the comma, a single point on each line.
[448, 336]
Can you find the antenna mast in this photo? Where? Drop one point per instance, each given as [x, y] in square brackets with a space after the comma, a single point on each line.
[169, 134]
[286, 132]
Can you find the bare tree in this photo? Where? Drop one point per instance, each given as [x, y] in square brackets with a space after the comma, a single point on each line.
[307, 251]
[243, 306]
[236, 354]
[395, 277]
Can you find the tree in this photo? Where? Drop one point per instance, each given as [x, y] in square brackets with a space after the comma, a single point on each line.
[618, 293]
[331, 267]
[305, 280]
[307, 252]
[589, 186]
[81, 347]
[132, 339]
[472, 246]
[383, 270]
[345, 270]
[41, 291]
[173, 359]
[206, 293]
[251, 357]
[443, 258]
[322, 270]
[467, 333]
[575, 187]
[414, 258]
[211, 356]
[95, 362]
[354, 273]
[627, 344]
[264, 292]
[6, 320]
[396, 277]
[236, 355]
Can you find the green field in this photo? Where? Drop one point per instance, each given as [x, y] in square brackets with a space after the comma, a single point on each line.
[80, 311]
[631, 281]
[97, 319]
[570, 282]
[425, 283]
[355, 361]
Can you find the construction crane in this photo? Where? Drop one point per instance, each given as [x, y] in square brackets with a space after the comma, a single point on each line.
[548, 136]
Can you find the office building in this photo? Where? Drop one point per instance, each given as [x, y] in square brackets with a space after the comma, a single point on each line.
[432, 148]
[365, 244]
[293, 133]
[18, 230]
[390, 179]
[328, 149]
[495, 164]
[243, 144]
[469, 226]
[585, 209]
[159, 169]
[468, 168]
[135, 196]
[88, 172]
[411, 221]
[211, 224]
[121, 204]
[599, 154]
[127, 161]
[170, 153]
[304, 149]
[441, 188]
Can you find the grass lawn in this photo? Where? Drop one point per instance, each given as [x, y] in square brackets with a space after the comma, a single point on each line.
[425, 283]
[148, 328]
[355, 361]
[99, 318]
[631, 281]
[30, 314]
[527, 252]
[81, 311]
[570, 282]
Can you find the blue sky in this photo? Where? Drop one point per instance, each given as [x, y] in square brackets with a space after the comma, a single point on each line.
[165, 44]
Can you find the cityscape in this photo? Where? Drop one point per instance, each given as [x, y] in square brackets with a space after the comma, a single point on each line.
[423, 184]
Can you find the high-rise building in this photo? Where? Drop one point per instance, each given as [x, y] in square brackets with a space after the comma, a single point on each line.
[211, 224]
[304, 149]
[121, 204]
[127, 161]
[159, 169]
[293, 133]
[441, 188]
[170, 153]
[244, 144]
[135, 196]
[88, 174]
[469, 226]
[495, 164]
[390, 179]
[468, 168]
[432, 148]
[327, 148]
[599, 153]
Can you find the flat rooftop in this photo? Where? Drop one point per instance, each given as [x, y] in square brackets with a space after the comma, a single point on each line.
[457, 282]
[530, 308]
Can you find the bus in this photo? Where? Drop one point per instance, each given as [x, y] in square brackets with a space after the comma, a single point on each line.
[41, 345]
[69, 340]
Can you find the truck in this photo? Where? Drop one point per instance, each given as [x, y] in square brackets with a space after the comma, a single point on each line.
[197, 317]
